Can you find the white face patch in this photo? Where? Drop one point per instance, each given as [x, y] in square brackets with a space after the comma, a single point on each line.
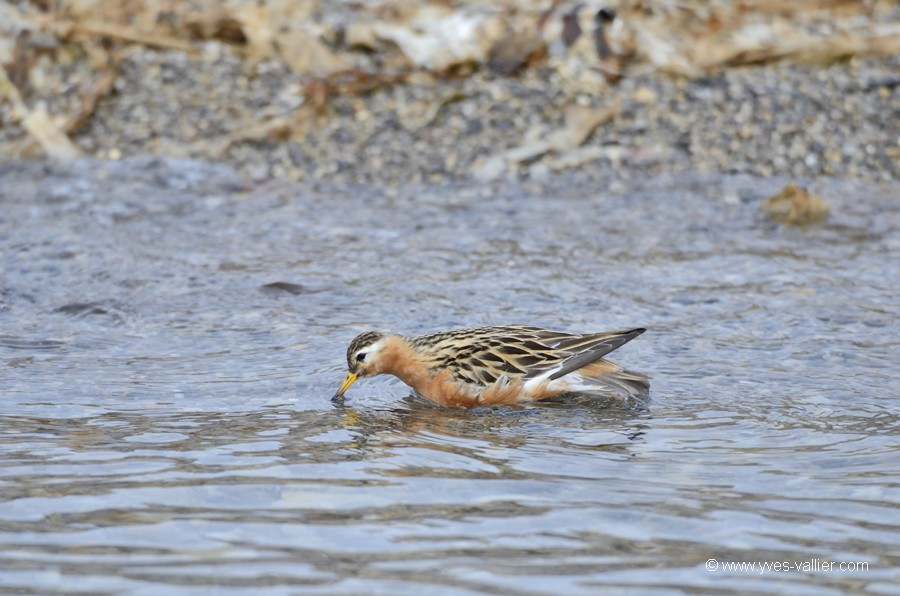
[369, 352]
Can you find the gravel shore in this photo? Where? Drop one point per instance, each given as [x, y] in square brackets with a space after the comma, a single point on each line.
[840, 120]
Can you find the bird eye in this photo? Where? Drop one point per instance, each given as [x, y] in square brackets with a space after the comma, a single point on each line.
[361, 356]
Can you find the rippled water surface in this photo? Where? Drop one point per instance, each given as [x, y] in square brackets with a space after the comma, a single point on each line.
[170, 338]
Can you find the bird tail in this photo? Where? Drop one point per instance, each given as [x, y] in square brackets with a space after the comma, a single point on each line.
[603, 376]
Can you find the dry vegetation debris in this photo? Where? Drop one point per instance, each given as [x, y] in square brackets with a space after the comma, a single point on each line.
[66, 53]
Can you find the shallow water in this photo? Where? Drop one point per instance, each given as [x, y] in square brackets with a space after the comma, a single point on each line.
[167, 423]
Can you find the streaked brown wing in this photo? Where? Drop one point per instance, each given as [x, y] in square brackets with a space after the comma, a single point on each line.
[481, 355]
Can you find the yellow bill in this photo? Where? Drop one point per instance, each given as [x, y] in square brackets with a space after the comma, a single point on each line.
[351, 378]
